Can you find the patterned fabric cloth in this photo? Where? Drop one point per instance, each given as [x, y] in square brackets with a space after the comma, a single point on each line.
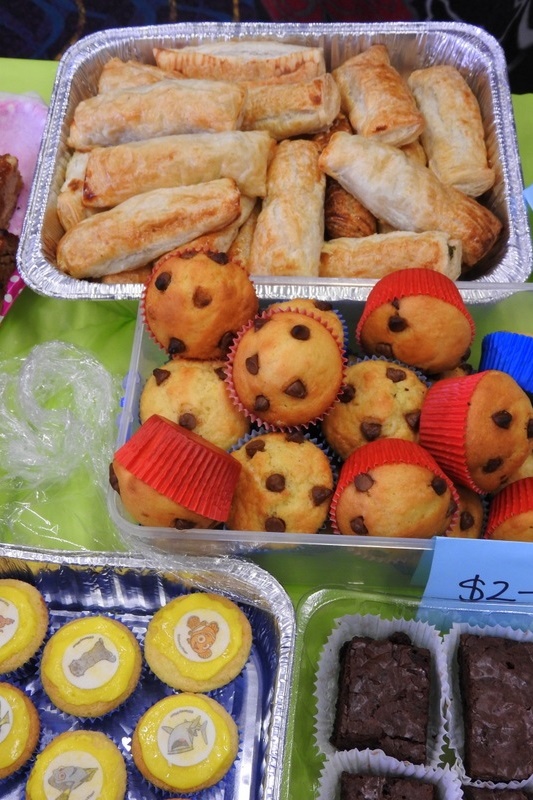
[43, 29]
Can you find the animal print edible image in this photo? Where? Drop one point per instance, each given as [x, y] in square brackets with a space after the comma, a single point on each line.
[90, 661]
[75, 774]
[202, 636]
[186, 737]
[9, 620]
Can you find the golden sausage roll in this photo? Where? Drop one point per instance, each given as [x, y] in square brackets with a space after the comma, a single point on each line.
[344, 215]
[118, 74]
[141, 229]
[244, 60]
[453, 137]
[289, 231]
[408, 196]
[115, 173]
[377, 99]
[240, 248]
[294, 109]
[381, 253]
[70, 208]
[160, 109]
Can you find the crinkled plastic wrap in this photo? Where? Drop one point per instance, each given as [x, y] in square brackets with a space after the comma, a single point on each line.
[411, 45]
[131, 589]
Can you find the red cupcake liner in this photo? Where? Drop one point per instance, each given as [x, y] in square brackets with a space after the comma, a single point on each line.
[515, 498]
[182, 466]
[387, 451]
[408, 283]
[442, 427]
[255, 418]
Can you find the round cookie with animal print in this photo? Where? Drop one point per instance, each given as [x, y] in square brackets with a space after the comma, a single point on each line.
[23, 623]
[78, 764]
[90, 666]
[185, 742]
[19, 729]
[198, 642]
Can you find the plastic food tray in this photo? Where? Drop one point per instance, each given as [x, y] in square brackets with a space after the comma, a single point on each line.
[318, 615]
[131, 589]
[509, 306]
[411, 45]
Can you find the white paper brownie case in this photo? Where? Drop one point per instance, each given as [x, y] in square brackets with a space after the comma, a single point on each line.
[374, 762]
[453, 709]
[421, 634]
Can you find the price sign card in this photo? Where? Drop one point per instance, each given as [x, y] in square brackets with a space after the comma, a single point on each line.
[471, 579]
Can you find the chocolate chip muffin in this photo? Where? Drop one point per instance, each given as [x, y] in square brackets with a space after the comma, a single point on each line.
[478, 427]
[393, 488]
[286, 369]
[470, 519]
[193, 393]
[195, 302]
[379, 399]
[285, 484]
[416, 316]
[321, 309]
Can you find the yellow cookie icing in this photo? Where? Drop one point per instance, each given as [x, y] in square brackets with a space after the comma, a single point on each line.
[79, 764]
[187, 741]
[200, 633]
[14, 725]
[20, 623]
[91, 659]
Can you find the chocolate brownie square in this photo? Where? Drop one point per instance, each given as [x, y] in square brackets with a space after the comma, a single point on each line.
[383, 697]
[496, 682]
[486, 793]
[375, 787]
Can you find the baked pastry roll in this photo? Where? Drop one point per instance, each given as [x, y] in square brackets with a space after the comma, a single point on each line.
[139, 275]
[381, 253]
[141, 229]
[408, 196]
[453, 136]
[295, 109]
[344, 215]
[118, 74]
[70, 208]
[240, 248]
[377, 99]
[163, 108]
[244, 60]
[290, 228]
[115, 173]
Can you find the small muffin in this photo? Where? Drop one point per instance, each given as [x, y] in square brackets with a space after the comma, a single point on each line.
[478, 427]
[379, 399]
[510, 514]
[285, 485]
[78, 758]
[193, 393]
[19, 729]
[23, 623]
[416, 316]
[392, 488]
[90, 666]
[185, 742]
[471, 515]
[168, 476]
[194, 303]
[509, 352]
[286, 369]
[198, 642]
[321, 309]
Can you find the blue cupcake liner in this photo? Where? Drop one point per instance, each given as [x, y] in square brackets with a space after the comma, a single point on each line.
[511, 353]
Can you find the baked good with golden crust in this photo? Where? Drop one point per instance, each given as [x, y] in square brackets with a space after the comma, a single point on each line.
[20, 729]
[194, 303]
[344, 215]
[198, 642]
[285, 485]
[23, 623]
[470, 520]
[379, 399]
[407, 195]
[377, 99]
[119, 74]
[193, 393]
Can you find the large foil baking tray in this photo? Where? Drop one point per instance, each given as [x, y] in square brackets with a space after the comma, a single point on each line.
[411, 45]
[131, 588]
